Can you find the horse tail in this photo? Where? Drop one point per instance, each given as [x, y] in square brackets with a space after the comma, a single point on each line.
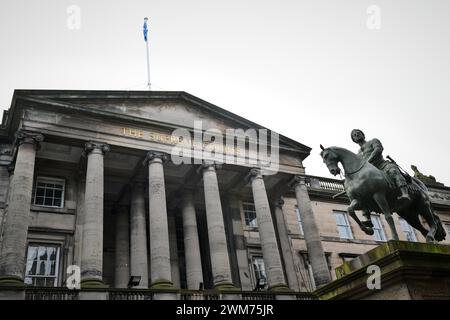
[419, 184]
[440, 232]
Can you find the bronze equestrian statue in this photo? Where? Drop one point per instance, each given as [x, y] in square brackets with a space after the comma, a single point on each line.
[374, 184]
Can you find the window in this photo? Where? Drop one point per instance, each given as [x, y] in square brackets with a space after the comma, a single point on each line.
[343, 226]
[259, 270]
[250, 215]
[49, 192]
[299, 219]
[42, 265]
[308, 279]
[378, 228]
[407, 230]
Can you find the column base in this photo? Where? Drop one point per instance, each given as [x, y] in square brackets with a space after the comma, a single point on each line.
[226, 286]
[162, 284]
[92, 284]
[281, 287]
[11, 281]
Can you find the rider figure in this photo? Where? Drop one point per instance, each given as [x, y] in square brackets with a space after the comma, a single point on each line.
[372, 152]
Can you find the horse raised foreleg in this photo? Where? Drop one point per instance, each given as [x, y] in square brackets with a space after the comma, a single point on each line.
[380, 199]
[368, 223]
[354, 205]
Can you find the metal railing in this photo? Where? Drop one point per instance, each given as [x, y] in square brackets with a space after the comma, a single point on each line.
[46, 293]
[199, 295]
[124, 294]
[60, 293]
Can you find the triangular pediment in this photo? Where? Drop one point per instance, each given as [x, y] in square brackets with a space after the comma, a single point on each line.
[174, 109]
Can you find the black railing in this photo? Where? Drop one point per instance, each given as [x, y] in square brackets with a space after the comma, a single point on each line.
[45, 293]
[60, 293]
[199, 295]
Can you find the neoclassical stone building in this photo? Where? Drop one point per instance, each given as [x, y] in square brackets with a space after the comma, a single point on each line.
[88, 179]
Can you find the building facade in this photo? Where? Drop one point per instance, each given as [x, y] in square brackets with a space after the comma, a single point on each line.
[88, 180]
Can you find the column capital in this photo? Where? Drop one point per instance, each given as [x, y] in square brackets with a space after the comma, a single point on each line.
[209, 165]
[153, 156]
[298, 180]
[27, 137]
[95, 147]
[254, 173]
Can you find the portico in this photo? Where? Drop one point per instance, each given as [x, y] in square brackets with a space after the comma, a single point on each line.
[128, 207]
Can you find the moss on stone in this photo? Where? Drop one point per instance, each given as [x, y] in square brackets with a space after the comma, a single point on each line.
[93, 284]
[11, 281]
[162, 284]
[226, 287]
[281, 287]
[393, 258]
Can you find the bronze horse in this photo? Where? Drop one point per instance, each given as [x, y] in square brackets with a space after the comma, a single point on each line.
[369, 190]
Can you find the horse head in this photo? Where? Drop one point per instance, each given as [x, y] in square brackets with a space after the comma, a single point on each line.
[331, 159]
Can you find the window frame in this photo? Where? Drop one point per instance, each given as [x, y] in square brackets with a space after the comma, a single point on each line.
[47, 179]
[244, 211]
[58, 263]
[303, 254]
[252, 263]
[299, 220]
[348, 225]
[381, 229]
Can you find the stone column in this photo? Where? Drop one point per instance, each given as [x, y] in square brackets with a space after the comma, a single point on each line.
[122, 256]
[314, 246]
[159, 231]
[194, 272]
[220, 261]
[4, 186]
[286, 246]
[271, 255]
[174, 261]
[92, 242]
[78, 237]
[12, 259]
[138, 236]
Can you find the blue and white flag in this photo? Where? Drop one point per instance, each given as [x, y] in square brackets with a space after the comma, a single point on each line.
[145, 29]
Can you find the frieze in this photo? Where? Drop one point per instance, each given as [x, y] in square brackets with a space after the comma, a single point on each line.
[171, 140]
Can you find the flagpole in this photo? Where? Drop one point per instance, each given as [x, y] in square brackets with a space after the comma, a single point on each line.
[148, 67]
[148, 54]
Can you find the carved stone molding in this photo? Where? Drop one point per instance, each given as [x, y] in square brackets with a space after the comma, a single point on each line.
[27, 137]
[91, 146]
[154, 155]
[209, 165]
[296, 180]
[254, 173]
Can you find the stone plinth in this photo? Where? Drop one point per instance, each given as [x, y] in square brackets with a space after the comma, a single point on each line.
[409, 271]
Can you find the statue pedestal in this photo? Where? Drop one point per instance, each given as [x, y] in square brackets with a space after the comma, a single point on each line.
[409, 271]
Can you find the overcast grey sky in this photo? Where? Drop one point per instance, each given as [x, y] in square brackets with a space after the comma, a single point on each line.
[310, 70]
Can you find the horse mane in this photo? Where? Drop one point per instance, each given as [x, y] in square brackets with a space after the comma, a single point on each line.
[340, 149]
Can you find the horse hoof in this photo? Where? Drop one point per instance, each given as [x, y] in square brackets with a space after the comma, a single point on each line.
[370, 231]
[367, 224]
[430, 239]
